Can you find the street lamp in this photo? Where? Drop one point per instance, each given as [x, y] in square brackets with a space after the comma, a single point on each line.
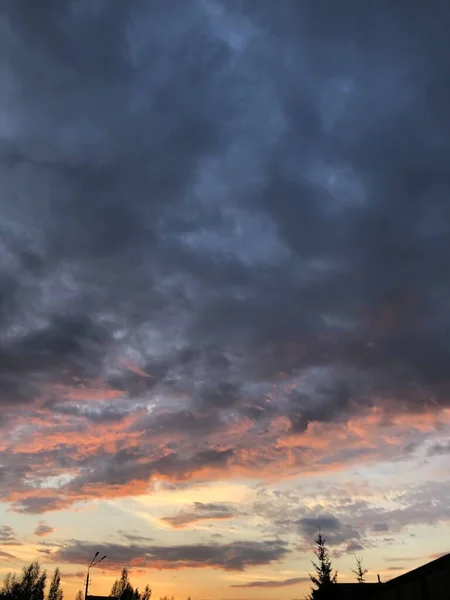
[93, 563]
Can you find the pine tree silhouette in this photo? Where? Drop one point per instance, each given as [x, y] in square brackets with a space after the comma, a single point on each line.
[324, 572]
[55, 591]
[360, 571]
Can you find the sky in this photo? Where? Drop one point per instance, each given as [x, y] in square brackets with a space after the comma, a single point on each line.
[224, 290]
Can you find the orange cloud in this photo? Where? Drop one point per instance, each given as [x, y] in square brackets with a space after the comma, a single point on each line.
[115, 459]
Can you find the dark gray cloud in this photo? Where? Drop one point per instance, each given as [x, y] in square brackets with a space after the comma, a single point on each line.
[7, 536]
[235, 556]
[310, 525]
[200, 511]
[272, 584]
[42, 530]
[354, 547]
[199, 198]
[334, 531]
[36, 505]
[130, 464]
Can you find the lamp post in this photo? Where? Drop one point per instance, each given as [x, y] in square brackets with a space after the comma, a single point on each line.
[93, 563]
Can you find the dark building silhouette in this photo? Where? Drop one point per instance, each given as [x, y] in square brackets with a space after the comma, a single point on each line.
[349, 591]
[428, 582]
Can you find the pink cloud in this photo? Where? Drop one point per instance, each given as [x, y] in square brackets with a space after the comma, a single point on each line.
[118, 450]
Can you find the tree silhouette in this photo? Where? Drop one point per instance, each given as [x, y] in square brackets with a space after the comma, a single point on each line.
[324, 576]
[147, 593]
[360, 571]
[30, 586]
[55, 591]
[79, 595]
[123, 589]
[9, 585]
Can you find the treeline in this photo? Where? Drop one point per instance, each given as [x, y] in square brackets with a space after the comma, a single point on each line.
[32, 583]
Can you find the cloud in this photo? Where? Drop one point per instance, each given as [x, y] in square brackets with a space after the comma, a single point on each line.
[311, 525]
[437, 555]
[357, 517]
[213, 253]
[134, 537]
[334, 531]
[7, 555]
[354, 547]
[235, 556]
[79, 575]
[424, 503]
[401, 559]
[43, 530]
[272, 584]
[439, 449]
[32, 503]
[7, 535]
[126, 461]
[201, 512]
[380, 527]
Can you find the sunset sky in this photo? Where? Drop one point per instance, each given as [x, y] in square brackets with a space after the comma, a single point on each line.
[224, 290]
